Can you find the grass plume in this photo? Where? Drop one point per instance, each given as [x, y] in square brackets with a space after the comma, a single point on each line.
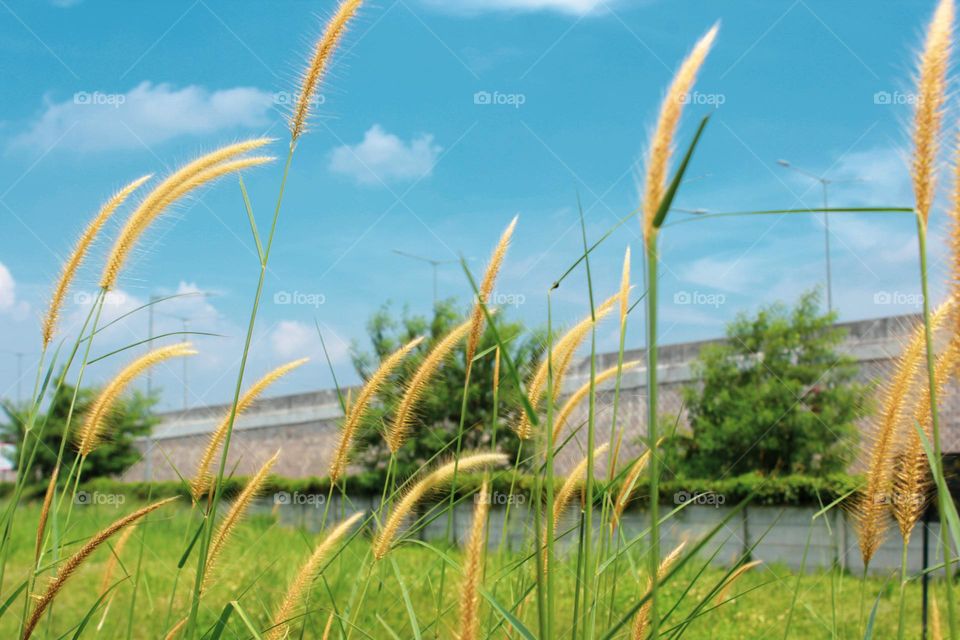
[424, 487]
[319, 63]
[70, 566]
[237, 510]
[307, 574]
[202, 477]
[45, 511]
[95, 423]
[188, 178]
[564, 350]
[473, 567]
[414, 389]
[641, 621]
[577, 396]
[870, 507]
[486, 288]
[569, 488]
[928, 116]
[661, 144]
[626, 489]
[358, 408]
[69, 270]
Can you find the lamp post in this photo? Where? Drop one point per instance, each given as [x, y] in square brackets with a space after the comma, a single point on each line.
[433, 263]
[825, 182]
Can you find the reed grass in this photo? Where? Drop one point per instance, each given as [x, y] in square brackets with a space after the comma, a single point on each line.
[473, 567]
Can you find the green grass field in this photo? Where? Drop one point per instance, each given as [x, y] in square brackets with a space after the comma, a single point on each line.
[263, 557]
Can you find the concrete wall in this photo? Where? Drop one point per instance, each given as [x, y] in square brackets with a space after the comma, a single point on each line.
[305, 425]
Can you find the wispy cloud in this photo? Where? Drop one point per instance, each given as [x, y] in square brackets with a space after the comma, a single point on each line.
[382, 157]
[145, 115]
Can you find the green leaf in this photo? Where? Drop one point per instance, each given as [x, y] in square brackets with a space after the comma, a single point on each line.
[668, 197]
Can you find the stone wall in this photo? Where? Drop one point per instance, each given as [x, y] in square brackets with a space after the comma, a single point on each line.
[305, 426]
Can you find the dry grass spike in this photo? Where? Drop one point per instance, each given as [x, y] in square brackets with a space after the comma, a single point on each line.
[486, 288]
[80, 249]
[661, 144]
[577, 396]
[357, 409]
[319, 63]
[305, 577]
[422, 488]
[202, 478]
[402, 422]
[95, 423]
[473, 567]
[71, 564]
[642, 619]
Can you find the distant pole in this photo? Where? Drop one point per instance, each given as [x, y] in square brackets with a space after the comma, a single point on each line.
[19, 377]
[153, 300]
[433, 264]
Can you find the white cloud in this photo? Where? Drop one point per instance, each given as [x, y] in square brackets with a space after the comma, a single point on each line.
[384, 157]
[147, 114]
[8, 289]
[293, 339]
[574, 7]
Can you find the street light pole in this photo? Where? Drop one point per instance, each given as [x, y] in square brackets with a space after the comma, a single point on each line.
[433, 264]
[824, 186]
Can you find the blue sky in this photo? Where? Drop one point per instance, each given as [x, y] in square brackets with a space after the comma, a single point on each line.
[404, 154]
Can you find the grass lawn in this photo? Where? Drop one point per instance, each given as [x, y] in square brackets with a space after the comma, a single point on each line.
[263, 557]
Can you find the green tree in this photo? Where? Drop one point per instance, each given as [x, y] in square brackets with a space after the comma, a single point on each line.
[130, 419]
[775, 396]
[439, 412]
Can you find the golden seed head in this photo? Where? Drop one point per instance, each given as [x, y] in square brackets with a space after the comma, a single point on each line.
[486, 288]
[69, 270]
[661, 145]
[188, 178]
[928, 115]
[322, 55]
[91, 433]
[357, 410]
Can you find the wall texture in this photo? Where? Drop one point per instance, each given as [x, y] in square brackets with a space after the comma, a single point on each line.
[305, 426]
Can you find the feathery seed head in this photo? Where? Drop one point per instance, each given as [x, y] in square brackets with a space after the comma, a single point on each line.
[91, 433]
[358, 409]
[80, 249]
[486, 288]
[577, 396]
[928, 116]
[642, 619]
[625, 288]
[473, 567]
[402, 423]
[307, 574]
[322, 54]
[193, 175]
[202, 477]
[430, 482]
[661, 145]
[70, 566]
